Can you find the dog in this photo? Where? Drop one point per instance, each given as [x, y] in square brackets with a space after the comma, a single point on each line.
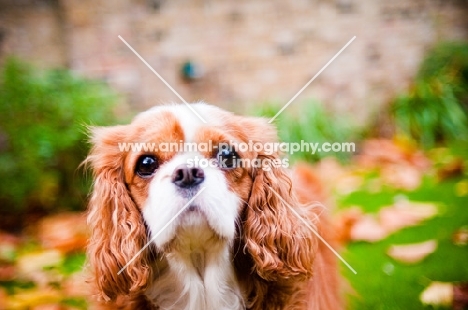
[217, 226]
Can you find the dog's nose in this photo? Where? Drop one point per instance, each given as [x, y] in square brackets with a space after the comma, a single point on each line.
[184, 176]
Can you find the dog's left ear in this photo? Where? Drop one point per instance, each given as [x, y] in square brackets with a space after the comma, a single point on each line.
[277, 230]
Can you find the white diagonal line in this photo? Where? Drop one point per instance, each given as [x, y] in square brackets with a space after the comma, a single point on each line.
[314, 231]
[163, 80]
[312, 79]
[162, 229]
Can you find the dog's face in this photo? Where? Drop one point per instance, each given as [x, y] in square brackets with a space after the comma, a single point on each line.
[181, 183]
[186, 164]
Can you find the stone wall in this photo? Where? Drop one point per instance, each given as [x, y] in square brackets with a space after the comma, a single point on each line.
[248, 51]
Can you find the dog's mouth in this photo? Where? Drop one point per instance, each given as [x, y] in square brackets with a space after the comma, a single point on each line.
[192, 208]
[194, 216]
[194, 232]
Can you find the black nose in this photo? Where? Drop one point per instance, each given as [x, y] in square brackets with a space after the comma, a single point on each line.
[184, 176]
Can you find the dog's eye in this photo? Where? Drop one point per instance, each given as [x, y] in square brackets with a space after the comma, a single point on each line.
[146, 166]
[227, 158]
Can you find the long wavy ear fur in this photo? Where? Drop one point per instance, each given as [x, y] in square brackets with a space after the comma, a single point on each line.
[282, 246]
[279, 248]
[117, 228]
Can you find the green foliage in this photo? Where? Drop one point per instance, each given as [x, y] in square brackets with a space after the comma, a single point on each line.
[313, 124]
[42, 135]
[73, 263]
[381, 282]
[436, 107]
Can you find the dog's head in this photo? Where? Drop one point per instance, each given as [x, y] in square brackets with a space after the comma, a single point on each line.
[171, 179]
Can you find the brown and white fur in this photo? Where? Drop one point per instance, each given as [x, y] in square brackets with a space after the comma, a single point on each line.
[237, 246]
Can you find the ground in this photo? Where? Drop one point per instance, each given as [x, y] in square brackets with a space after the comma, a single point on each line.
[391, 194]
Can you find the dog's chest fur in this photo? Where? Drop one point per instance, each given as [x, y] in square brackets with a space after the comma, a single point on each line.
[197, 273]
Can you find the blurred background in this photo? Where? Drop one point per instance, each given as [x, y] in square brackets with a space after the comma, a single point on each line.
[399, 91]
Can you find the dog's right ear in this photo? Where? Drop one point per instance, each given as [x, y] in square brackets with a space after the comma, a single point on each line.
[118, 232]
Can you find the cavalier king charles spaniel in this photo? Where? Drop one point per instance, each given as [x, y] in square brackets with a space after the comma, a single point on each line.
[197, 229]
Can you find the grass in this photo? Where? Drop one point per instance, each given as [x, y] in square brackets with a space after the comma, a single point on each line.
[382, 283]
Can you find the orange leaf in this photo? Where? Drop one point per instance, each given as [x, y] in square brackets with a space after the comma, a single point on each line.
[438, 294]
[412, 253]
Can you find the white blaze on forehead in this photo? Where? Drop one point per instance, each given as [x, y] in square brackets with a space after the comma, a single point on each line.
[190, 122]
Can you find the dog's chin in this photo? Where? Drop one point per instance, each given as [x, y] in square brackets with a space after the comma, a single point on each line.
[193, 218]
[194, 232]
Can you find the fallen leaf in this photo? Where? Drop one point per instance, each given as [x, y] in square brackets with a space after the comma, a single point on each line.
[400, 163]
[354, 225]
[33, 298]
[438, 294]
[66, 232]
[3, 298]
[7, 272]
[420, 161]
[460, 237]
[344, 221]
[406, 213]
[461, 188]
[77, 285]
[367, 228]
[348, 184]
[451, 169]
[376, 153]
[412, 253]
[460, 296]
[329, 170]
[402, 176]
[51, 306]
[32, 262]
